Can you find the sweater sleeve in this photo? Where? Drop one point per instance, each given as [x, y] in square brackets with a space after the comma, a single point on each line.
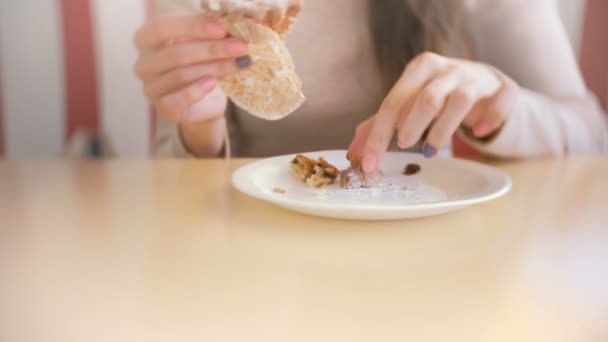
[556, 114]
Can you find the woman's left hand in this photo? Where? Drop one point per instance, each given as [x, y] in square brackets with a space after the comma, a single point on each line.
[439, 94]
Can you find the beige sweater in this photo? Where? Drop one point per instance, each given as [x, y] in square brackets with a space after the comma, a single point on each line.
[333, 52]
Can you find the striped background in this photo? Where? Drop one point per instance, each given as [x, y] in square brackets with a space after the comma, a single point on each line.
[65, 65]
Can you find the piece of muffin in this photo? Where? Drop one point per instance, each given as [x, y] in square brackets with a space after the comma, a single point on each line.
[355, 178]
[319, 178]
[328, 169]
[323, 175]
[270, 88]
[316, 173]
[279, 15]
[302, 167]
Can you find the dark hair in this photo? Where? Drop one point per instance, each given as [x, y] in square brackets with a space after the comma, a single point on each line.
[403, 29]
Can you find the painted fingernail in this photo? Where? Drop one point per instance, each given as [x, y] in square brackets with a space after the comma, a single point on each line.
[370, 162]
[428, 150]
[215, 30]
[243, 62]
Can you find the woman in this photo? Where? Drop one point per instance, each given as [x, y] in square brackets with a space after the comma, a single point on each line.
[371, 66]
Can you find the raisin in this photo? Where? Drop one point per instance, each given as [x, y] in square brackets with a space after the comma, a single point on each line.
[411, 169]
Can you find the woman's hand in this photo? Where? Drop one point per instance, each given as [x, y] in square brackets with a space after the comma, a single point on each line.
[439, 94]
[180, 60]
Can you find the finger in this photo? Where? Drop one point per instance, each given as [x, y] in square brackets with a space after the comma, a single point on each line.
[175, 106]
[479, 110]
[361, 134]
[293, 9]
[162, 30]
[498, 109]
[458, 105]
[429, 103]
[415, 76]
[179, 78]
[185, 54]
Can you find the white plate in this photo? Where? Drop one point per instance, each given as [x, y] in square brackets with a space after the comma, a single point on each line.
[443, 185]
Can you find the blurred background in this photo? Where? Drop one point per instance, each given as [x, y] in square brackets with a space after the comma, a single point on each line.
[66, 74]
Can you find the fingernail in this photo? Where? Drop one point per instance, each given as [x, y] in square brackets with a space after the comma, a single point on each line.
[348, 156]
[428, 150]
[237, 47]
[243, 62]
[481, 129]
[208, 84]
[215, 30]
[370, 162]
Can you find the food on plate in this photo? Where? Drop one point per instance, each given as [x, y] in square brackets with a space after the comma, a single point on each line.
[302, 167]
[279, 190]
[355, 178]
[270, 89]
[316, 173]
[411, 169]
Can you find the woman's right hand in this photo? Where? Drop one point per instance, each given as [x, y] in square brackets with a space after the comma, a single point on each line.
[180, 61]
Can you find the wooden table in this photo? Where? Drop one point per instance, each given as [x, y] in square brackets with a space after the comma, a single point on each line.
[168, 251]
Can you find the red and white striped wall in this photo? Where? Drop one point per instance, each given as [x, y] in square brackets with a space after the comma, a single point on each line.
[66, 65]
[594, 50]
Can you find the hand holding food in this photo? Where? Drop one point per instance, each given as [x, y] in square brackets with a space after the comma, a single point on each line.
[181, 59]
[270, 89]
[436, 94]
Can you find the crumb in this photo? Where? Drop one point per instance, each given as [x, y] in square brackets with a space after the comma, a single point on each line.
[279, 191]
[316, 173]
[411, 169]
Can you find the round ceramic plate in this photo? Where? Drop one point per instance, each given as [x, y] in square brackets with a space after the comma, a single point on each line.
[442, 185]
